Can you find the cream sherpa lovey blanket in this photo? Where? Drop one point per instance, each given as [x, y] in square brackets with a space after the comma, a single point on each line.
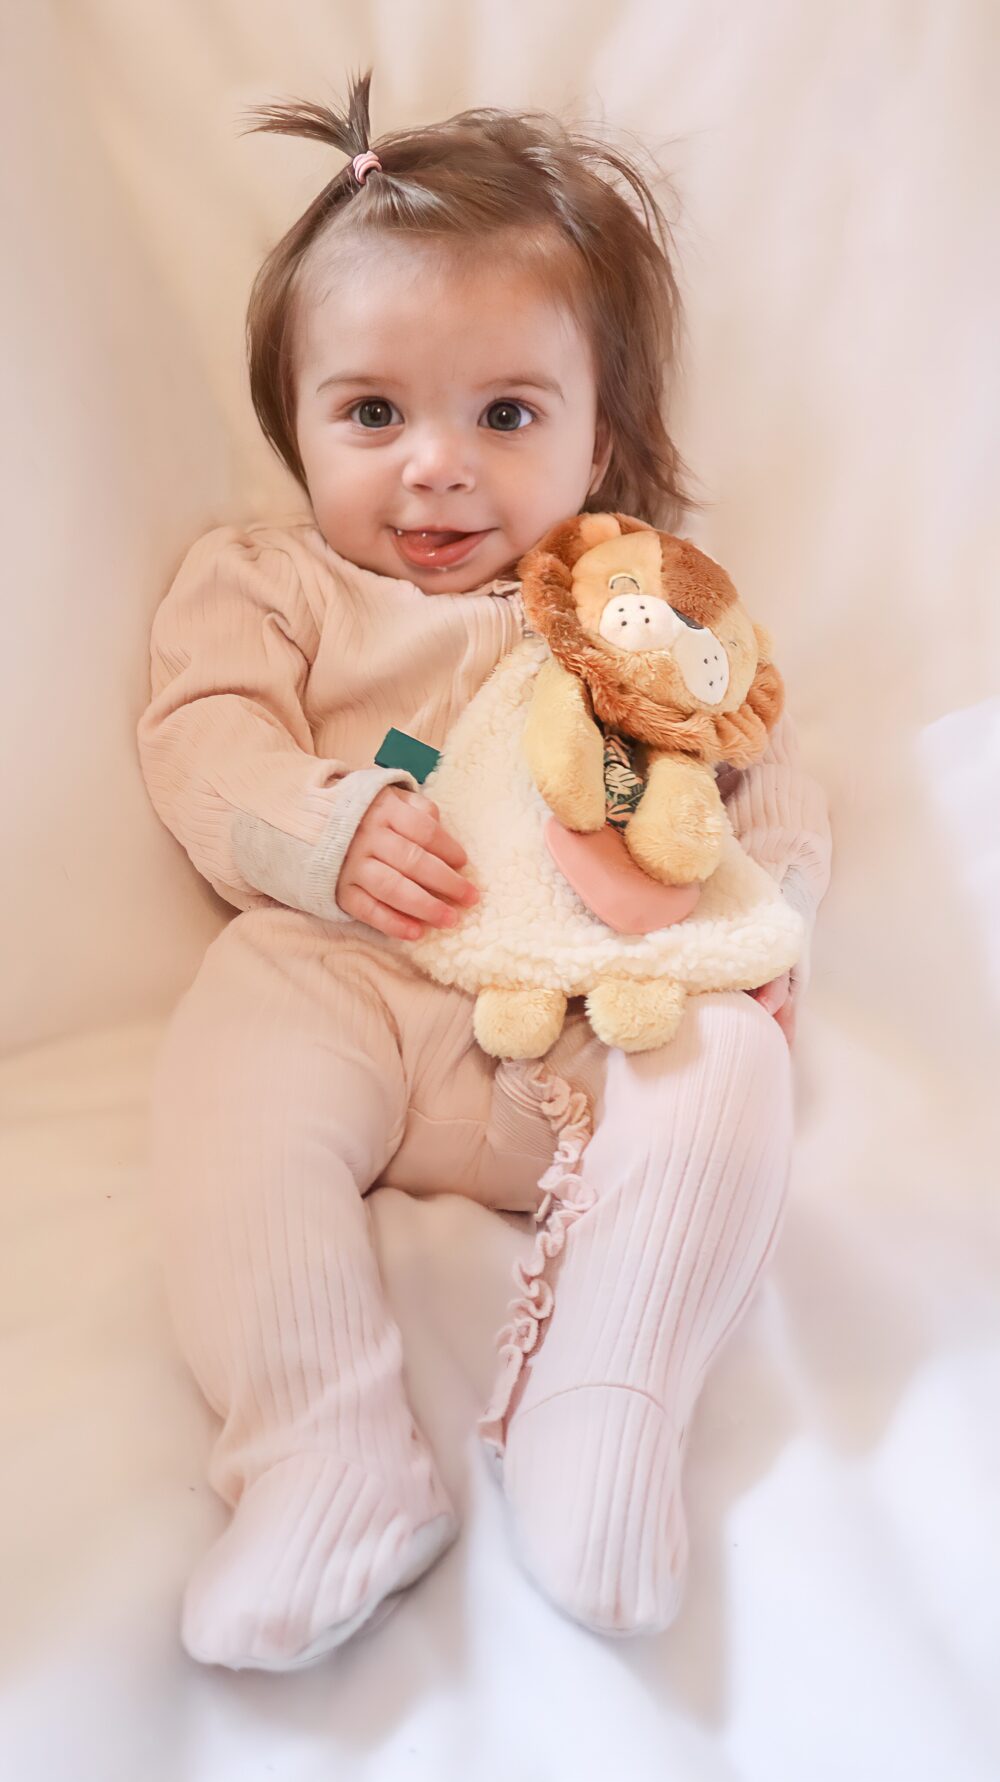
[530, 942]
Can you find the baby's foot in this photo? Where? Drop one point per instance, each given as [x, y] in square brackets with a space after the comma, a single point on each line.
[317, 1549]
[592, 1477]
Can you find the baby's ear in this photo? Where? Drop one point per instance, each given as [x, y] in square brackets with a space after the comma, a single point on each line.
[571, 538]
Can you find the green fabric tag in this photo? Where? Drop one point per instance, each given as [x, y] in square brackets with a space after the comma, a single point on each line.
[399, 750]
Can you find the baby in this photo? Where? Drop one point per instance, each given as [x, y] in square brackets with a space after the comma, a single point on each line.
[461, 342]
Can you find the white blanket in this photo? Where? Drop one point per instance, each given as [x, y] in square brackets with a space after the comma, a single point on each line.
[836, 227]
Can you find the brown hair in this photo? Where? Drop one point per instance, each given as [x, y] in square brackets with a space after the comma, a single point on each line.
[482, 174]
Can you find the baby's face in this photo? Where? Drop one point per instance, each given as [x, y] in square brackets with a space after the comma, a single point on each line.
[419, 409]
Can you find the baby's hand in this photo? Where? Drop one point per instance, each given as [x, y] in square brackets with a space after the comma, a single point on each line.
[401, 870]
[777, 999]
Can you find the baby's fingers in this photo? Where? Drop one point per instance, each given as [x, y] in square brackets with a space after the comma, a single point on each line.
[388, 885]
[419, 801]
[785, 1018]
[419, 820]
[425, 871]
[361, 906]
[772, 995]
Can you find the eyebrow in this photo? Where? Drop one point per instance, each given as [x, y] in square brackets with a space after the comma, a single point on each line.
[534, 380]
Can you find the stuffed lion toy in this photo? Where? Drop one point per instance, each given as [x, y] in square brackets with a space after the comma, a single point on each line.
[639, 676]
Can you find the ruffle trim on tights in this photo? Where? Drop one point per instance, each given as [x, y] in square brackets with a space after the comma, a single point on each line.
[564, 1198]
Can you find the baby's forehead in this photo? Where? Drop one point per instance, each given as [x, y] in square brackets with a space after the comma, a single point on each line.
[403, 257]
[393, 291]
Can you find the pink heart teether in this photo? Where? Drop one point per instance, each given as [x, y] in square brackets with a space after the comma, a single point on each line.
[605, 877]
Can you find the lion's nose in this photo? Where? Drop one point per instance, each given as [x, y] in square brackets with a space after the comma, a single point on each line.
[638, 622]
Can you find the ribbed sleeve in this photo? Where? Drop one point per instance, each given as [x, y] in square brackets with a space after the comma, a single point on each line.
[225, 746]
[780, 815]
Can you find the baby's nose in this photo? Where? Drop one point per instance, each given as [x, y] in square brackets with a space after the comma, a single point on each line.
[439, 460]
[638, 622]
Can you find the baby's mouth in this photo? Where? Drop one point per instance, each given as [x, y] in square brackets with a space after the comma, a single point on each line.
[430, 538]
[436, 550]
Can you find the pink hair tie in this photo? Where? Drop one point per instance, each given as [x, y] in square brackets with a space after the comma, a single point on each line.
[364, 164]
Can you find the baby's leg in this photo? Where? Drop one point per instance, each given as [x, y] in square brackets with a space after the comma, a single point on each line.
[278, 1097]
[686, 1175]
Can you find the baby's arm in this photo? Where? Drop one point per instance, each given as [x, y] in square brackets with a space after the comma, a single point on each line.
[780, 815]
[225, 746]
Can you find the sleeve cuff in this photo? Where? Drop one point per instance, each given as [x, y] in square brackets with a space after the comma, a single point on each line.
[304, 875]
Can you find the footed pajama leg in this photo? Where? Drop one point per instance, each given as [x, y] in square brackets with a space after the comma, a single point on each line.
[658, 1226]
[279, 1095]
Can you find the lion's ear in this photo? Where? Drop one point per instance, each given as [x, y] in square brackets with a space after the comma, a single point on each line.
[628, 523]
[571, 538]
[765, 643]
[595, 528]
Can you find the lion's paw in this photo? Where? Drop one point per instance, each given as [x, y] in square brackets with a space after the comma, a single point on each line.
[518, 1023]
[676, 855]
[636, 1014]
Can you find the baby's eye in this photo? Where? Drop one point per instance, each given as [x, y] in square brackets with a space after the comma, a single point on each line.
[380, 406]
[508, 410]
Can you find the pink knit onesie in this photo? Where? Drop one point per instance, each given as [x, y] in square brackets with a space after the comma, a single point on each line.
[309, 1062]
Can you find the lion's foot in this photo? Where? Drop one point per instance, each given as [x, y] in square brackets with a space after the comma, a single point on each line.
[673, 855]
[636, 1014]
[518, 1023]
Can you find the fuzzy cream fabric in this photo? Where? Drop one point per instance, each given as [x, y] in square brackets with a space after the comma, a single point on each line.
[530, 927]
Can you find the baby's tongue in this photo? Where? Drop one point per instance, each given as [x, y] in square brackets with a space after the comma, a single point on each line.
[438, 549]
